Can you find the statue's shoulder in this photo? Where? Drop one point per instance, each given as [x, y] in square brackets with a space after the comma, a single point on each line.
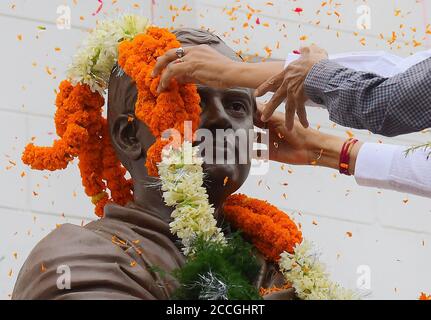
[69, 250]
[106, 259]
[65, 243]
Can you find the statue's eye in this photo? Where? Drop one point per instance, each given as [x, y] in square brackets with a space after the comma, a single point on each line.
[237, 107]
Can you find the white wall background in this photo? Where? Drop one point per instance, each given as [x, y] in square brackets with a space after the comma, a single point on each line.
[391, 232]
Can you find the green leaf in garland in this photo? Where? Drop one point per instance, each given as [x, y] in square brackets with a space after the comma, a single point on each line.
[219, 272]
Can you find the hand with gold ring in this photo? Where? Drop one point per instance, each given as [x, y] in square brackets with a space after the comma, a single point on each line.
[195, 64]
[204, 65]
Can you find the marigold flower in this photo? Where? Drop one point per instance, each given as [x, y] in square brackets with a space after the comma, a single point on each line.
[269, 229]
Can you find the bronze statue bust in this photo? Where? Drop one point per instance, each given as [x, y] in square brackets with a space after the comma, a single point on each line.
[115, 257]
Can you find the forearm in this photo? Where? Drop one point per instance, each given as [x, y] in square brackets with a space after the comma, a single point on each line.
[252, 75]
[327, 150]
[387, 106]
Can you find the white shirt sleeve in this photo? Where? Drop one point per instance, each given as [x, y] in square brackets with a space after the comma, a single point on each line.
[387, 166]
[383, 63]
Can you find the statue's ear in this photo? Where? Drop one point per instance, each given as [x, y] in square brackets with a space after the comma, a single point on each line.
[124, 137]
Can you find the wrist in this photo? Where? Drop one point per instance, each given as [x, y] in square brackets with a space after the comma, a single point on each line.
[325, 151]
[328, 149]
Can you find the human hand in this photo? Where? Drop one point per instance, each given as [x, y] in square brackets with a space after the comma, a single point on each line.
[201, 65]
[303, 146]
[289, 85]
[298, 146]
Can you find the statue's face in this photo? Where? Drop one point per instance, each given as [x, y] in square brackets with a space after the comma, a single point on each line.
[227, 115]
[227, 109]
[230, 111]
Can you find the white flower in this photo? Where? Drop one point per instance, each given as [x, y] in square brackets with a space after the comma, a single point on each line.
[308, 276]
[93, 63]
[182, 185]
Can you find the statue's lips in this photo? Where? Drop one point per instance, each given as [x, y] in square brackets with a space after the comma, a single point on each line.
[219, 149]
[218, 145]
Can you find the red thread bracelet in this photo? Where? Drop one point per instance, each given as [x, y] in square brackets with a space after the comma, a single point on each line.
[345, 156]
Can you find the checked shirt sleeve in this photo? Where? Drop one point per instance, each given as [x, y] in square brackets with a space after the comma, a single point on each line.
[363, 100]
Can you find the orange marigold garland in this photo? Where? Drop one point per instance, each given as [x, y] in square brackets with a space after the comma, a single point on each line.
[68, 119]
[84, 132]
[270, 230]
[170, 109]
[113, 173]
[81, 128]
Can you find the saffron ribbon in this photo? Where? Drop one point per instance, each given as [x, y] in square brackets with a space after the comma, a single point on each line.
[98, 9]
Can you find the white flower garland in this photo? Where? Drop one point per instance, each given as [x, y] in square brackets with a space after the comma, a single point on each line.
[308, 276]
[181, 174]
[93, 63]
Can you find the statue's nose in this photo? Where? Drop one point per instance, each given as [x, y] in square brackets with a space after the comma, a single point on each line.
[214, 115]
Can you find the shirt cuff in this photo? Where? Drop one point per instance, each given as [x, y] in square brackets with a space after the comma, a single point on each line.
[318, 79]
[374, 164]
